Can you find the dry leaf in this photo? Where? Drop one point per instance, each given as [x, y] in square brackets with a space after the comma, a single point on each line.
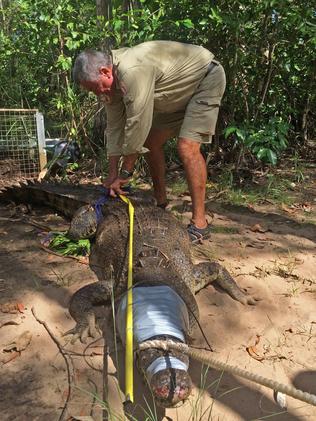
[20, 307]
[258, 228]
[20, 343]
[9, 308]
[307, 207]
[251, 207]
[12, 308]
[255, 245]
[8, 322]
[252, 351]
[287, 209]
[9, 357]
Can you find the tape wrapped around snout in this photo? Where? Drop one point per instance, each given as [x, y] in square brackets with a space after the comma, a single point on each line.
[161, 363]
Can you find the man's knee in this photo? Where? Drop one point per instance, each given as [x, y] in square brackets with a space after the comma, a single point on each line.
[188, 148]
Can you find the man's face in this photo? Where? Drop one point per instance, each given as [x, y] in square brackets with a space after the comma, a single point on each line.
[101, 86]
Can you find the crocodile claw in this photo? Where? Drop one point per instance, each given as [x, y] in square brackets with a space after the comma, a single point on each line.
[84, 330]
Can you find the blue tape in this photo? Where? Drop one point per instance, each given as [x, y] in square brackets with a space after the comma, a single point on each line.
[100, 202]
[103, 199]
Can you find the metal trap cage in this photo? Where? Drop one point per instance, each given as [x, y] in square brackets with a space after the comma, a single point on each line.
[22, 143]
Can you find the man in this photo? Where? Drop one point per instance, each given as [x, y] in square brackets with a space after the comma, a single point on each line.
[153, 92]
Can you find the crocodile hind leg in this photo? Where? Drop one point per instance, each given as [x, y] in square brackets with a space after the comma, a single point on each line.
[81, 309]
[205, 273]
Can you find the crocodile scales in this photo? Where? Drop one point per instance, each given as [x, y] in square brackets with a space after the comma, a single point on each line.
[161, 256]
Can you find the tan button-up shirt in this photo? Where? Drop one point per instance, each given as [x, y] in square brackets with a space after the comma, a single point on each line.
[155, 76]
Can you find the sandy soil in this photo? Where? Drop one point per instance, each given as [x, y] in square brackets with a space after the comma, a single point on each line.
[277, 265]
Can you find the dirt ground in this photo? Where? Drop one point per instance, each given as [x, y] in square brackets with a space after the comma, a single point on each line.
[270, 252]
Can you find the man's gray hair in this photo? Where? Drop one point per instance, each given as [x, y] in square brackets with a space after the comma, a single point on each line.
[88, 63]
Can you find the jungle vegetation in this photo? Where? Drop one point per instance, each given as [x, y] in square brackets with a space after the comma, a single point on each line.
[266, 47]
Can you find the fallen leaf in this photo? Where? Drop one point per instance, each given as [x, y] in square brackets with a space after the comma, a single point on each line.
[10, 357]
[264, 239]
[12, 308]
[9, 322]
[251, 207]
[287, 209]
[9, 308]
[252, 351]
[20, 307]
[20, 343]
[258, 228]
[307, 207]
[255, 245]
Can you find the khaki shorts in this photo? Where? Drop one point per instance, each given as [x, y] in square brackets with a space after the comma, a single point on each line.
[198, 121]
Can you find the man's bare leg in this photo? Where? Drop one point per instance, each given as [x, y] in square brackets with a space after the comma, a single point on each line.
[196, 175]
[156, 161]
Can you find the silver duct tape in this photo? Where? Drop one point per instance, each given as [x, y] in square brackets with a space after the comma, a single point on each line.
[157, 310]
[162, 363]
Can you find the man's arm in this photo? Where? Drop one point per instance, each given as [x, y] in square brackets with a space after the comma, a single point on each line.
[139, 103]
[115, 184]
[113, 170]
[129, 162]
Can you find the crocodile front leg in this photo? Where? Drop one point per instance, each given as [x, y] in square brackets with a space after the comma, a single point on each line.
[81, 309]
[205, 273]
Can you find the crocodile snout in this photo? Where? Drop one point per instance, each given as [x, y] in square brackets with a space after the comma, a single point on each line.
[171, 387]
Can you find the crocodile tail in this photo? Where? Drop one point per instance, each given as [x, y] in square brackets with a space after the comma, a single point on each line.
[65, 198]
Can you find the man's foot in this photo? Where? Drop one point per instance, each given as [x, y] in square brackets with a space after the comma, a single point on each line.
[197, 234]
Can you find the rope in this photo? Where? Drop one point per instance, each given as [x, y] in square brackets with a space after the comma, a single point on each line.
[219, 365]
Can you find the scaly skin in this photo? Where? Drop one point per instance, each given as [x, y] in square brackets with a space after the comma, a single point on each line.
[161, 255]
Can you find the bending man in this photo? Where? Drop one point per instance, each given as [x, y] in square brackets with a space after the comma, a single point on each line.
[153, 92]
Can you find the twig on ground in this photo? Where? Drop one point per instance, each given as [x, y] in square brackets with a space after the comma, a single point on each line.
[64, 355]
[105, 414]
[27, 221]
[85, 354]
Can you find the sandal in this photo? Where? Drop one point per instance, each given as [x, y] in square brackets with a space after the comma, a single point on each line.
[197, 234]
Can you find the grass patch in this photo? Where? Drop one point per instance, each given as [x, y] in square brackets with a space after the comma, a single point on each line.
[274, 189]
[222, 229]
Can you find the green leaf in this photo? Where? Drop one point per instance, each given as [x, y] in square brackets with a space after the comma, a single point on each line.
[229, 130]
[272, 157]
[187, 23]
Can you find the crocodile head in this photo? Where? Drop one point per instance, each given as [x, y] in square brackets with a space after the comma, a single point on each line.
[83, 224]
[171, 387]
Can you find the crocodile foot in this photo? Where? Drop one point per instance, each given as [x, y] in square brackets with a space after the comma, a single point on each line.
[84, 329]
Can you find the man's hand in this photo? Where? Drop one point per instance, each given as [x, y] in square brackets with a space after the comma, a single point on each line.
[116, 186]
[109, 180]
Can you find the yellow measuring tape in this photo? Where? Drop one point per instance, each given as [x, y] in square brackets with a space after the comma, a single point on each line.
[129, 363]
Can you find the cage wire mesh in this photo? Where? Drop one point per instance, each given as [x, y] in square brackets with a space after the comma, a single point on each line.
[22, 142]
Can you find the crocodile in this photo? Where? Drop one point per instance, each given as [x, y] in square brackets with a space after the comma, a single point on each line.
[161, 256]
